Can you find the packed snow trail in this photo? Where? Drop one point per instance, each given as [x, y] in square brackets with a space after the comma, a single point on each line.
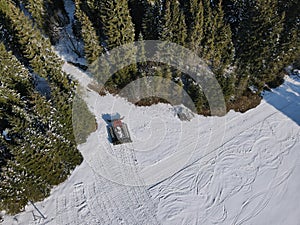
[258, 152]
[250, 178]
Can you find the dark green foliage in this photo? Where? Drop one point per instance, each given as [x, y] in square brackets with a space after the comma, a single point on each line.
[49, 16]
[265, 39]
[92, 47]
[117, 23]
[83, 120]
[173, 27]
[118, 30]
[195, 23]
[259, 37]
[41, 150]
[151, 20]
[137, 11]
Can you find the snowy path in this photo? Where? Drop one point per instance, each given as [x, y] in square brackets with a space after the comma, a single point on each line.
[246, 173]
[257, 141]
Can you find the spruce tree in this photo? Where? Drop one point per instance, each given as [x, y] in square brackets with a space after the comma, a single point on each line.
[259, 41]
[92, 47]
[195, 22]
[119, 30]
[41, 129]
[173, 26]
[117, 22]
[37, 11]
[137, 10]
[152, 20]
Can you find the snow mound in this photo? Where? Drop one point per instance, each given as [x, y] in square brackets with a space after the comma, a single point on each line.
[183, 113]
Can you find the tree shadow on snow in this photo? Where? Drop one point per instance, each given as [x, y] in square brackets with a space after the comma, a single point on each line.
[286, 99]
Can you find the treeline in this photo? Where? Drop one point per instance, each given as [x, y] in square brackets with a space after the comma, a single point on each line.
[245, 43]
[37, 145]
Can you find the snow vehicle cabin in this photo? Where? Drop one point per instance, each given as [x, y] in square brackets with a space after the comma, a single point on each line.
[118, 130]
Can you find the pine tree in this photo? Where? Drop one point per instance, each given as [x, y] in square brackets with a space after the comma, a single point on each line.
[37, 11]
[35, 48]
[92, 10]
[16, 109]
[119, 30]
[258, 39]
[290, 38]
[92, 47]
[223, 53]
[49, 16]
[41, 129]
[137, 10]
[217, 43]
[152, 20]
[173, 26]
[117, 23]
[195, 22]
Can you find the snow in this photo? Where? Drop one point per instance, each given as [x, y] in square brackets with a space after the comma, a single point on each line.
[41, 85]
[5, 134]
[69, 47]
[237, 169]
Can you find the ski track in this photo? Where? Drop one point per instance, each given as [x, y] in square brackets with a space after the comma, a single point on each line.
[104, 202]
[226, 174]
[230, 183]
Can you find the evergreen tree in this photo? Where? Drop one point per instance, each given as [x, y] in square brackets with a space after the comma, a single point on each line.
[217, 43]
[290, 38]
[40, 128]
[137, 10]
[195, 22]
[117, 23]
[35, 48]
[259, 42]
[92, 10]
[152, 20]
[223, 53]
[37, 11]
[49, 16]
[92, 47]
[119, 30]
[173, 26]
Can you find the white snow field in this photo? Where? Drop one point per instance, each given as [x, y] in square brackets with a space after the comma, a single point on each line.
[237, 169]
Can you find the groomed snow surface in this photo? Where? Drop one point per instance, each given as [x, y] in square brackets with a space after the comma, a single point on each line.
[238, 169]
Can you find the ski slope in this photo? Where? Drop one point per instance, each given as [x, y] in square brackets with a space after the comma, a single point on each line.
[237, 169]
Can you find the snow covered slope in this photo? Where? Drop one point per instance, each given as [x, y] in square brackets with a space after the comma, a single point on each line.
[238, 169]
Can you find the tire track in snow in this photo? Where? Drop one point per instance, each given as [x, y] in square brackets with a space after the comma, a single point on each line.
[138, 194]
[221, 189]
